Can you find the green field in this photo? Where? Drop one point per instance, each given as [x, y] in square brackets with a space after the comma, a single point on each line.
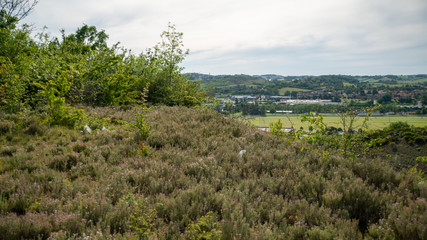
[290, 89]
[374, 122]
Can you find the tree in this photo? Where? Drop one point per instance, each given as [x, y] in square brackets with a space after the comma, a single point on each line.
[171, 53]
[385, 98]
[85, 39]
[169, 86]
[424, 99]
[13, 11]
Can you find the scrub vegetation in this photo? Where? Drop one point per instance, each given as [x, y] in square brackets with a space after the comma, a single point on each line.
[186, 179]
[99, 143]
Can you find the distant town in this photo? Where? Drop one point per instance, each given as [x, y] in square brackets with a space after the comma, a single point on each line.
[330, 93]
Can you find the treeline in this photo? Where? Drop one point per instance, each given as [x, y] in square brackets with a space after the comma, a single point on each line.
[261, 109]
[81, 68]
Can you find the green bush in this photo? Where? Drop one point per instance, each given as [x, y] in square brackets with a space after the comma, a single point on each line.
[204, 228]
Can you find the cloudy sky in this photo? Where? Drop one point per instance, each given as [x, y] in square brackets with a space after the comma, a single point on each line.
[287, 37]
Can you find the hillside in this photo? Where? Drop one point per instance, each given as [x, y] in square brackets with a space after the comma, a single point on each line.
[403, 88]
[190, 179]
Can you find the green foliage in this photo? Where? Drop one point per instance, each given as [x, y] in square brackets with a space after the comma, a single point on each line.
[204, 228]
[404, 142]
[142, 219]
[419, 172]
[80, 68]
[12, 11]
[54, 94]
[399, 131]
[349, 143]
[12, 88]
[143, 128]
[168, 85]
[276, 129]
[315, 121]
[387, 98]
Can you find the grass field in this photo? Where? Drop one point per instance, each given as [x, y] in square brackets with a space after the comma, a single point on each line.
[374, 122]
[283, 90]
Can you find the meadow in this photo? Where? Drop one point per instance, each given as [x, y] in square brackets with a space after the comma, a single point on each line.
[333, 120]
[282, 91]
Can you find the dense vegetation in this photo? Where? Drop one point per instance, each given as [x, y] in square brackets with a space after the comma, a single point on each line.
[188, 180]
[80, 68]
[404, 144]
[83, 157]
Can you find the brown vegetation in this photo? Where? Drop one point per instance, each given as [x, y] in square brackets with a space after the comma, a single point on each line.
[186, 180]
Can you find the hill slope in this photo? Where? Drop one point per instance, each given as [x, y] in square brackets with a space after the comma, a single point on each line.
[190, 179]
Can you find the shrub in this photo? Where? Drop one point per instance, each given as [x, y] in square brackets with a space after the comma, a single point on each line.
[193, 184]
[276, 128]
[363, 203]
[30, 226]
[204, 228]
[34, 128]
[8, 151]
[6, 127]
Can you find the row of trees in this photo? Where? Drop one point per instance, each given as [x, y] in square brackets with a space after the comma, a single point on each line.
[261, 109]
[81, 68]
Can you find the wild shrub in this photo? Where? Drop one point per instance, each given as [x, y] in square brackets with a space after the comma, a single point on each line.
[93, 209]
[143, 129]
[53, 94]
[35, 128]
[8, 151]
[363, 204]
[276, 128]
[142, 219]
[80, 147]
[6, 127]
[32, 225]
[195, 184]
[204, 228]
[404, 222]
[12, 87]
[64, 116]
[119, 217]
[64, 162]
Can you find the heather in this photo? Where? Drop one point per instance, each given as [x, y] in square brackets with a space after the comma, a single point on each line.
[180, 173]
[97, 142]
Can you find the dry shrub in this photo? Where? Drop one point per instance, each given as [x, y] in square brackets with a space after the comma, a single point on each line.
[79, 183]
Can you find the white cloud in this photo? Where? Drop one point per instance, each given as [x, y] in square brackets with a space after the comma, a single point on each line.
[251, 36]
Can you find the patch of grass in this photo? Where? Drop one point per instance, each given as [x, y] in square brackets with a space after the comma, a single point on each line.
[282, 91]
[374, 122]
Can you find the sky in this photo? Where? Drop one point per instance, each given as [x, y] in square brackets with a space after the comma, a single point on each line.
[285, 37]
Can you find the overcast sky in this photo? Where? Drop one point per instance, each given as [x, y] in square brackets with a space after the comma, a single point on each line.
[286, 37]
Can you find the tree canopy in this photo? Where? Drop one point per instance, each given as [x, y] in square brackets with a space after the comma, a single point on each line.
[12, 11]
[81, 68]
